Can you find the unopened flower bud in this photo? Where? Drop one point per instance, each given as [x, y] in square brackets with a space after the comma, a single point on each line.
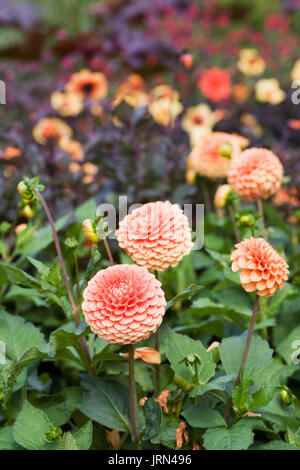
[20, 228]
[54, 433]
[27, 212]
[89, 230]
[226, 150]
[247, 220]
[186, 60]
[71, 243]
[25, 192]
[286, 396]
[221, 196]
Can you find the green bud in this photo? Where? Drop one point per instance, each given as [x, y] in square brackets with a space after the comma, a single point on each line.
[54, 433]
[225, 150]
[4, 227]
[286, 396]
[71, 243]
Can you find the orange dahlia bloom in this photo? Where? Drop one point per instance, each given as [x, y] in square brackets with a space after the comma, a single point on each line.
[213, 155]
[72, 147]
[257, 174]
[12, 152]
[149, 355]
[263, 269]
[215, 84]
[51, 128]
[156, 235]
[221, 196]
[124, 304]
[87, 84]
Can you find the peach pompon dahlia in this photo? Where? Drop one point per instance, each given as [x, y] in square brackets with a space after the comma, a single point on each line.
[156, 235]
[124, 304]
[257, 174]
[263, 269]
[213, 154]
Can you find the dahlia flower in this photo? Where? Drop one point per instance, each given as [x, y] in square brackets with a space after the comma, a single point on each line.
[267, 90]
[251, 63]
[124, 304]
[156, 235]
[72, 147]
[199, 121]
[295, 73]
[51, 128]
[87, 84]
[66, 104]
[215, 84]
[263, 269]
[256, 174]
[207, 159]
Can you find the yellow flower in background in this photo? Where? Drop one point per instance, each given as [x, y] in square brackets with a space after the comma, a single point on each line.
[72, 147]
[164, 106]
[268, 90]
[51, 128]
[90, 171]
[87, 84]
[165, 91]
[249, 120]
[66, 104]
[199, 120]
[251, 63]
[165, 111]
[132, 92]
[295, 73]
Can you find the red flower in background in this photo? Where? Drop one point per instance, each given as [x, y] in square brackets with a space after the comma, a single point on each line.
[278, 22]
[215, 84]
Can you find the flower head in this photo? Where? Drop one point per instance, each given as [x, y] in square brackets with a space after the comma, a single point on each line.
[199, 121]
[213, 155]
[215, 84]
[295, 73]
[51, 129]
[164, 104]
[124, 304]
[251, 63]
[132, 92]
[66, 104]
[156, 235]
[267, 90]
[257, 174]
[263, 269]
[87, 84]
[11, 152]
[72, 147]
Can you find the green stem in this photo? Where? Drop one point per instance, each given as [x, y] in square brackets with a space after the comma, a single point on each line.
[64, 272]
[234, 224]
[133, 398]
[262, 218]
[157, 366]
[77, 277]
[248, 342]
[108, 250]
